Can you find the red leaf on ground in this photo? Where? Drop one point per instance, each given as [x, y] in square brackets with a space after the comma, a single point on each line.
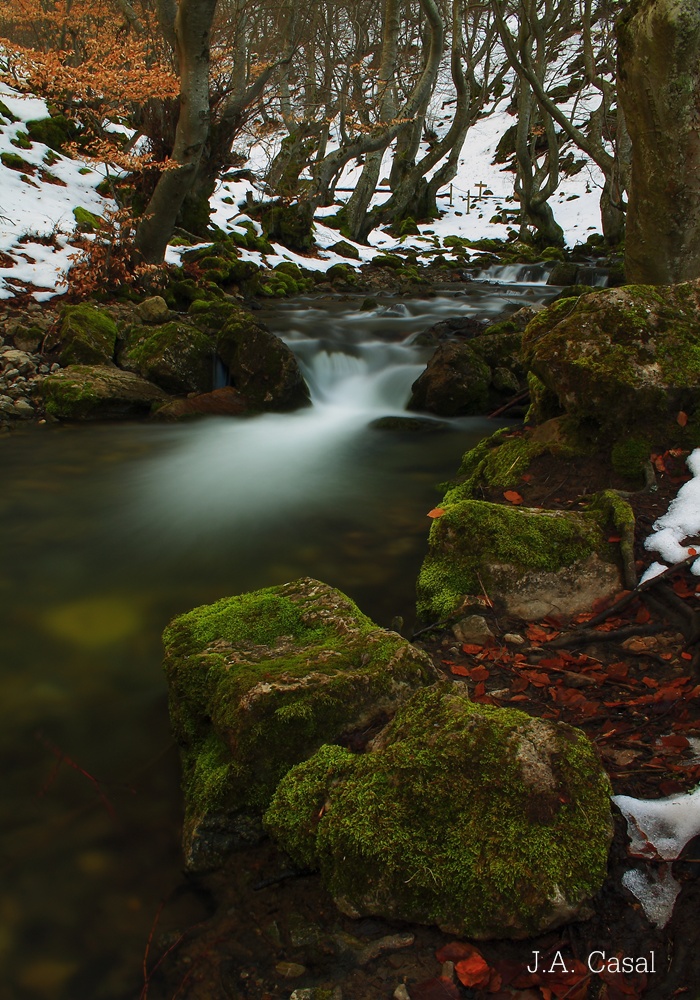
[658, 463]
[526, 477]
[472, 648]
[614, 538]
[538, 634]
[675, 741]
[643, 616]
[479, 674]
[537, 677]
[473, 971]
[459, 670]
[686, 656]
[455, 951]
[682, 419]
[618, 670]
[480, 690]
[436, 512]
[435, 989]
[692, 551]
[682, 588]
[512, 497]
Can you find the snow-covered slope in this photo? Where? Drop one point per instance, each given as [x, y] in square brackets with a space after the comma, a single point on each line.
[37, 202]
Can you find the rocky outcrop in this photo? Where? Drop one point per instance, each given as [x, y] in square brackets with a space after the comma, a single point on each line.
[175, 355]
[622, 360]
[98, 392]
[257, 683]
[481, 820]
[530, 562]
[86, 335]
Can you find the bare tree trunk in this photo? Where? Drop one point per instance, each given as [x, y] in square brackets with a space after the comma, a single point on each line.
[192, 31]
[659, 81]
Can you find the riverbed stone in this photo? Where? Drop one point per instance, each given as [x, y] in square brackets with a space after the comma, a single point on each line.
[623, 358]
[224, 402]
[257, 683]
[482, 820]
[153, 310]
[176, 356]
[98, 392]
[86, 336]
[261, 366]
[531, 562]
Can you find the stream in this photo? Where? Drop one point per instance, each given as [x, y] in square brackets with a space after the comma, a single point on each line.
[107, 532]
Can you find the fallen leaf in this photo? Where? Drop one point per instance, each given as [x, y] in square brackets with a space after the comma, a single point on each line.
[479, 674]
[436, 512]
[459, 670]
[473, 971]
[692, 551]
[512, 497]
[682, 419]
[614, 538]
[472, 648]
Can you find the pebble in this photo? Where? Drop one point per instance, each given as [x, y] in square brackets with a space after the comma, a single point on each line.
[473, 628]
[401, 993]
[290, 970]
[513, 638]
[21, 371]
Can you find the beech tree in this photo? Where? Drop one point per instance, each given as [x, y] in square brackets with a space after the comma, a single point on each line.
[659, 72]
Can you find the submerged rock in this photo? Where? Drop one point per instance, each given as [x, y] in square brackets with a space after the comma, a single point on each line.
[98, 392]
[257, 683]
[531, 562]
[481, 820]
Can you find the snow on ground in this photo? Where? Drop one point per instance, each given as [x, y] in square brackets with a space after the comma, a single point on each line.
[680, 522]
[32, 204]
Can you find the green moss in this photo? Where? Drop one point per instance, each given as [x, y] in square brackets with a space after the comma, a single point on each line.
[7, 114]
[499, 460]
[472, 535]
[439, 825]
[274, 674]
[175, 355]
[54, 132]
[68, 400]
[21, 141]
[88, 336]
[15, 162]
[344, 273]
[630, 455]
[87, 222]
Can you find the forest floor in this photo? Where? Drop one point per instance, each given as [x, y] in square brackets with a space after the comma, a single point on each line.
[626, 674]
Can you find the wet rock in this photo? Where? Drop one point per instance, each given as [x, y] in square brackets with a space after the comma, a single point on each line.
[473, 628]
[98, 392]
[258, 682]
[86, 336]
[176, 356]
[622, 358]
[153, 310]
[455, 383]
[531, 562]
[482, 820]
[225, 402]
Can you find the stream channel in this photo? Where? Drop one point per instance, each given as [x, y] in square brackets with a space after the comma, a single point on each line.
[107, 532]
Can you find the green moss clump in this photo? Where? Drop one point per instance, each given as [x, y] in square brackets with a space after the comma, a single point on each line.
[88, 336]
[21, 141]
[344, 273]
[176, 356]
[630, 455]
[479, 819]
[499, 460]
[54, 132]
[15, 162]
[7, 114]
[259, 681]
[87, 222]
[544, 404]
[473, 536]
[68, 400]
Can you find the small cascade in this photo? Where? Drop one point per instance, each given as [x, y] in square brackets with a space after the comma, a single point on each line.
[516, 274]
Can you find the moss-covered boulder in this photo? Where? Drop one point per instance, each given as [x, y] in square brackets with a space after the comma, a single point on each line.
[86, 335]
[623, 358]
[261, 366]
[531, 562]
[99, 392]
[176, 356]
[289, 223]
[482, 820]
[257, 683]
[86, 221]
[56, 131]
[455, 383]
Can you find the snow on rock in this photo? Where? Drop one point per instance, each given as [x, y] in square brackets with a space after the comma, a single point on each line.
[660, 828]
[681, 521]
[657, 891]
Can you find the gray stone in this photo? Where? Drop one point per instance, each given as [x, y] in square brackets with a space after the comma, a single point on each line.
[153, 310]
[473, 628]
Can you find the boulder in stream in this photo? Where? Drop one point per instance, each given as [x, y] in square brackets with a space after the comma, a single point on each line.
[482, 820]
[99, 392]
[177, 356]
[257, 683]
[623, 360]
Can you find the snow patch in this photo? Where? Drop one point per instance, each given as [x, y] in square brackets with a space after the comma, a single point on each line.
[681, 521]
[660, 828]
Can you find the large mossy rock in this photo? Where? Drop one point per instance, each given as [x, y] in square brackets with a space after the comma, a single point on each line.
[86, 336]
[99, 392]
[464, 379]
[176, 356]
[257, 683]
[481, 820]
[261, 366]
[531, 562]
[622, 359]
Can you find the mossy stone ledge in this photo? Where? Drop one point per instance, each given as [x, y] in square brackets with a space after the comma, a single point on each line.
[257, 683]
[623, 360]
[481, 820]
[529, 561]
[99, 392]
[86, 336]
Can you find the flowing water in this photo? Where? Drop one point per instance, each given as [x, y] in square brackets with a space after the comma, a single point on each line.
[106, 532]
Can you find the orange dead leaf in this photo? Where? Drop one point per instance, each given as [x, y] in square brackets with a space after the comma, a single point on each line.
[682, 419]
[512, 497]
[473, 971]
[472, 648]
[459, 670]
[436, 512]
